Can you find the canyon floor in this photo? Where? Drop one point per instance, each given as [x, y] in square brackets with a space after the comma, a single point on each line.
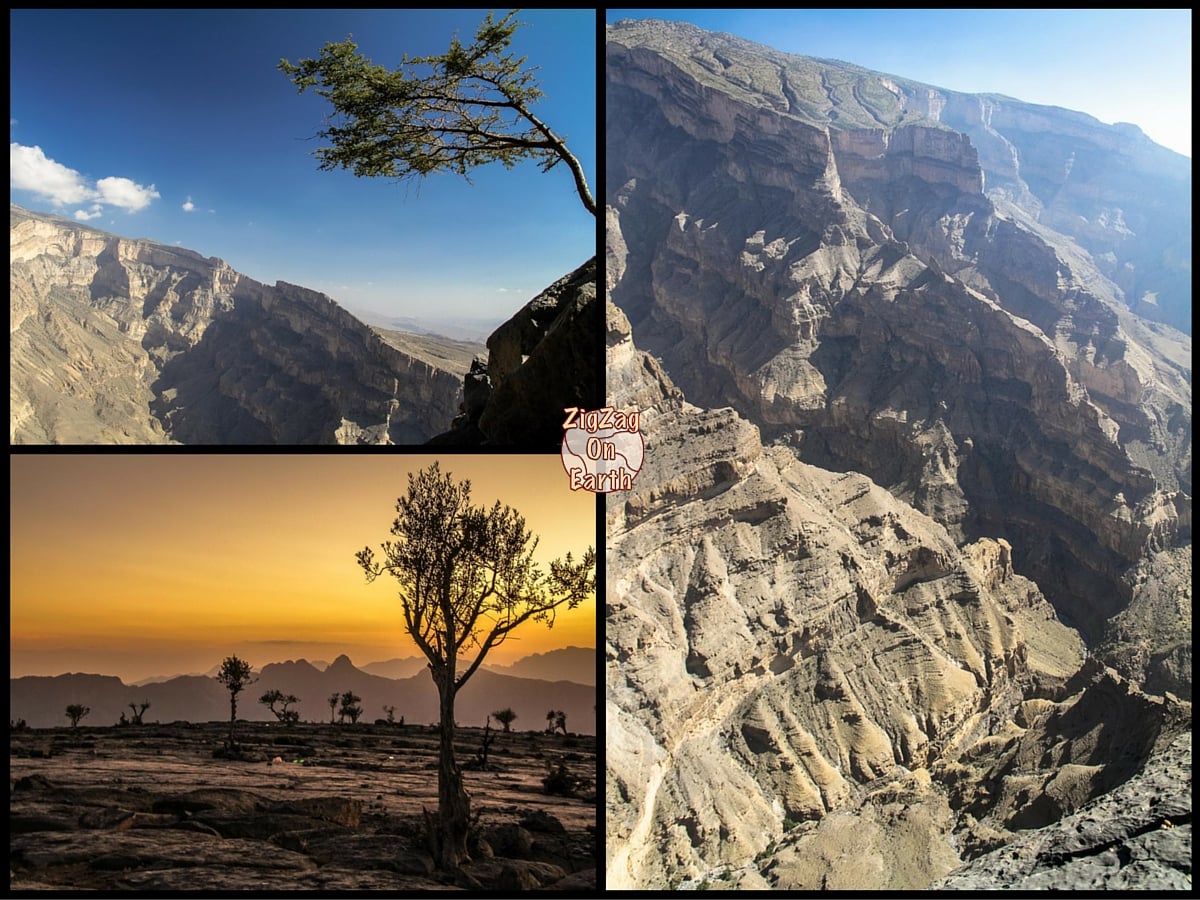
[315, 807]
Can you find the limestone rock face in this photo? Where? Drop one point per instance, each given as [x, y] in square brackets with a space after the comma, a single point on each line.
[902, 575]
[122, 341]
[541, 361]
[1137, 836]
[851, 289]
[809, 685]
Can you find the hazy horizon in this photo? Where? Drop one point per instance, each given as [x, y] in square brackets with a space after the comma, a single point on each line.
[245, 555]
[1122, 65]
[321, 664]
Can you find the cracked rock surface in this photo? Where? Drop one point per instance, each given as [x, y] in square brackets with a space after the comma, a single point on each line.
[1138, 836]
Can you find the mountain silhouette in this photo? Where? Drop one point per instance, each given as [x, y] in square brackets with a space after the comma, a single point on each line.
[42, 700]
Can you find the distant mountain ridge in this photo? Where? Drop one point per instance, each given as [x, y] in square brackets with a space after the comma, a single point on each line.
[118, 341]
[41, 700]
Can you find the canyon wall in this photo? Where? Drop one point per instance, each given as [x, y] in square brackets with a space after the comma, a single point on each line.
[910, 550]
[128, 341]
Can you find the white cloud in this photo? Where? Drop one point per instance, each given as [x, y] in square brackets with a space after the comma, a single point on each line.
[84, 216]
[189, 205]
[125, 193]
[31, 170]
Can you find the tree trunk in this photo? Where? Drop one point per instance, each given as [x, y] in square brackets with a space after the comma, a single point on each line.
[232, 716]
[454, 807]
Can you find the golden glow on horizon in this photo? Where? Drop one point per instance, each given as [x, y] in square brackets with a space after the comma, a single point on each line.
[136, 565]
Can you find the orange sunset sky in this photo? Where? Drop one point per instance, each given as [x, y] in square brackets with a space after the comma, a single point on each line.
[141, 565]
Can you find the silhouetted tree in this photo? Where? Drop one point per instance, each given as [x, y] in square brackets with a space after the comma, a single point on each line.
[391, 714]
[333, 702]
[505, 717]
[467, 579]
[284, 715]
[235, 675]
[138, 709]
[550, 721]
[349, 707]
[468, 107]
[77, 711]
[560, 721]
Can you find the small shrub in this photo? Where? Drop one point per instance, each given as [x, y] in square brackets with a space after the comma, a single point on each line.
[561, 782]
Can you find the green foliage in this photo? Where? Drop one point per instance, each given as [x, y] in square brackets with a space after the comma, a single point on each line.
[468, 107]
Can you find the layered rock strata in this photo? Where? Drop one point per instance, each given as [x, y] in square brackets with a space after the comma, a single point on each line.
[128, 341]
[809, 685]
[921, 413]
[849, 288]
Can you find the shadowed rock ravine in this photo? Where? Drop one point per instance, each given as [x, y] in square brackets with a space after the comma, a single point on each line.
[307, 808]
[119, 341]
[906, 573]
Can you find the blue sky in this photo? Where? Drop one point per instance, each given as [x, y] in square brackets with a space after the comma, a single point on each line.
[177, 126]
[1117, 65]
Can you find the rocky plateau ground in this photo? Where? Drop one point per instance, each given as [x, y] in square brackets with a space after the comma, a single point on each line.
[309, 808]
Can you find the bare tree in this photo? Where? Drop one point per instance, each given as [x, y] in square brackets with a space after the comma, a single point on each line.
[235, 675]
[466, 580]
[138, 709]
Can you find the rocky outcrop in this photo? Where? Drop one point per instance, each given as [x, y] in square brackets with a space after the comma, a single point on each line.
[541, 361]
[1136, 837]
[810, 686]
[122, 341]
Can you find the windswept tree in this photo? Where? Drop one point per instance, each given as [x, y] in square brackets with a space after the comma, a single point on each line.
[468, 107]
[138, 709]
[333, 702]
[505, 717]
[77, 711]
[466, 579]
[235, 675]
[283, 714]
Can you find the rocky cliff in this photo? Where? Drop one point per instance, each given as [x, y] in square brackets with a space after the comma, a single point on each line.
[851, 290]
[800, 665]
[931, 449]
[541, 361]
[128, 341]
